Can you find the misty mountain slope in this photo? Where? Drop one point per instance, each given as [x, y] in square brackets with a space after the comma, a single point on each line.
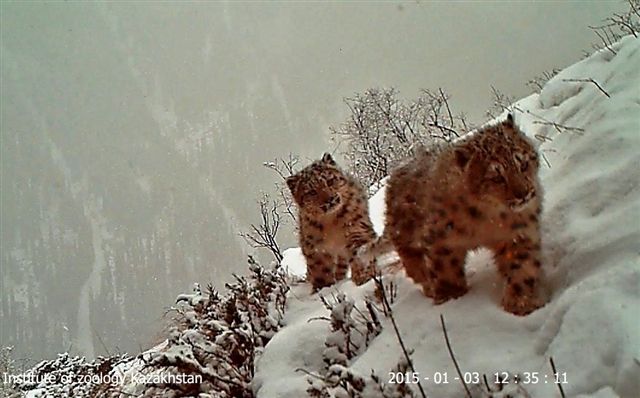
[120, 164]
[591, 248]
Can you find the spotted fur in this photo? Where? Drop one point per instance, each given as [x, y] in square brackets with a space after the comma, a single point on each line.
[483, 190]
[334, 222]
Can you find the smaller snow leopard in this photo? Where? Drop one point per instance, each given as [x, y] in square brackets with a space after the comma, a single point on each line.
[481, 190]
[334, 222]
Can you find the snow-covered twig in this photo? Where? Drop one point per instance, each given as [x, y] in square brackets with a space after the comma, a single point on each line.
[285, 168]
[501, 102]
[453, 358]
[486, 382]
[588, 81]
[553, 368]
[606, 36]
[538, 82]
[542, 138]
[305, 371]
[264, 235]
[541, 120]
[378, 281]
[617, 26]
[559, 127]
[545, 159]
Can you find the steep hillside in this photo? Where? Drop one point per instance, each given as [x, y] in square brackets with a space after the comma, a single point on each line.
[586, 121]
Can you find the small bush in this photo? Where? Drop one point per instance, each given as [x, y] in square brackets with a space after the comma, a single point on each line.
[220, 338]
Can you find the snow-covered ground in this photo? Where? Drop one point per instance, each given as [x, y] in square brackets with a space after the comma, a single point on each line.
[591, 225]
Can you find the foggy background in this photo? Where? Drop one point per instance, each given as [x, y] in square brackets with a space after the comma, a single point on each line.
[132, 135]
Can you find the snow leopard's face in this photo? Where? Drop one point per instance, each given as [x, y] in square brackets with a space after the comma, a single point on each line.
[502, 166]
[317, 188]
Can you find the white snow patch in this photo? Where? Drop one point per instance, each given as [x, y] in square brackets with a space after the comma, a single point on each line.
[294, 263]
[376, 206]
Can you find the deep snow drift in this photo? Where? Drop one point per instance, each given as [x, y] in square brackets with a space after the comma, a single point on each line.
[590, 326]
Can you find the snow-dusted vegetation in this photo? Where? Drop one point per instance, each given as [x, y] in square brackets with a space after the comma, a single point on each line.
[210, 352]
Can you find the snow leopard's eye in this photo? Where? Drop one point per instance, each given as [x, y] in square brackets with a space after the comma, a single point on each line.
[535, 159]
[521, 162]
[518, 158]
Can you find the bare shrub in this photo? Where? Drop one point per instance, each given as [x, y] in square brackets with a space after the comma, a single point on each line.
[284, 168]
[500, 102]
[537, 82]
[264, 234]
[276, 210]
[382, 130]
[617, 26]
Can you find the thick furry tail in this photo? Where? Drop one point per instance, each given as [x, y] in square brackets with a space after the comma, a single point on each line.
[380, 255]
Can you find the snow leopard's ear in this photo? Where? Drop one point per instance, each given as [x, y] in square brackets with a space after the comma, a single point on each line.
[509, 125]
[328, 159]
[510, 120]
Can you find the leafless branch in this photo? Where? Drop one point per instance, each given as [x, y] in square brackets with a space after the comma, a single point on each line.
[618, 25]
[544, 121]
[264, 235]
[553, 368]
[445, 101]
[588, 81]
[382, 130]
[283, 167]
[486, 382]
[501, 102]
[546, 160]
[453, 358]
[625, 24]
[603, 34]
[538, 82]
[317, 376]
[287, 205]
[542, 138]
[444, 129]
[318, 318]
[560, 127]
[378, 281]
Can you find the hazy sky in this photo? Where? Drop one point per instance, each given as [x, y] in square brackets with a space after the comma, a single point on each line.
[133, 133]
